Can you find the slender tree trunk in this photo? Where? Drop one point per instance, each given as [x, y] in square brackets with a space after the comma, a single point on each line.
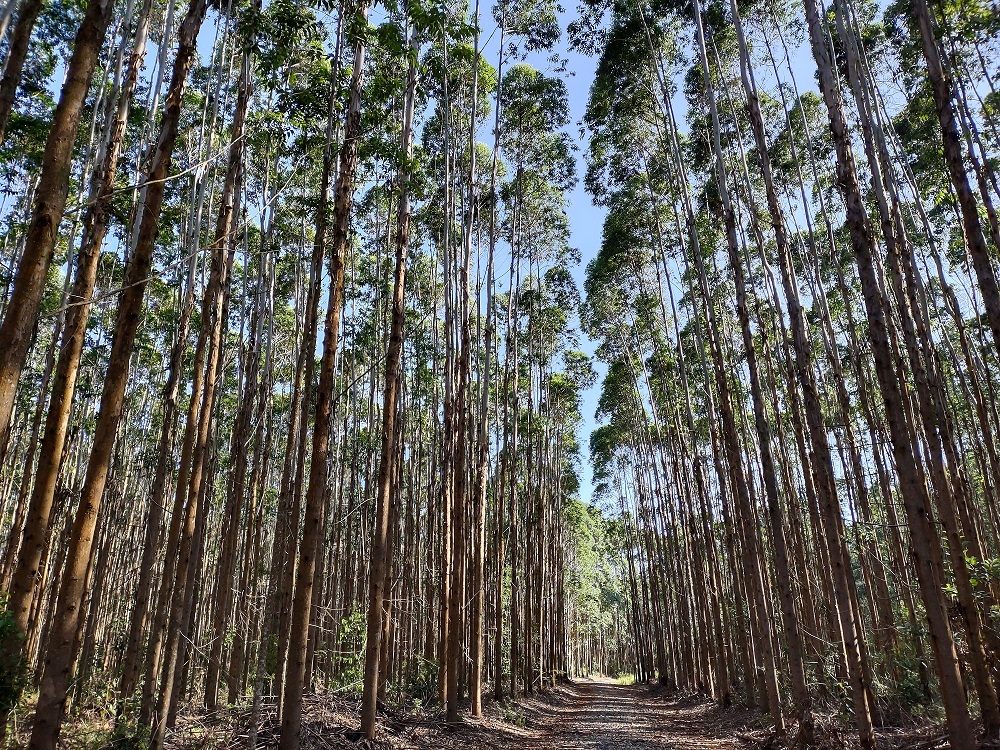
[62, 641]
[380, 563]
[291, 722]
[95, 224]
[925, 544]
[483, 453]
[21, 315]
[17, 52]
[224, 579]
[975, 239]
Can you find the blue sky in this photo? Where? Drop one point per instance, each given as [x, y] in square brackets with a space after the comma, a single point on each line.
[585, 219]
[586, 222]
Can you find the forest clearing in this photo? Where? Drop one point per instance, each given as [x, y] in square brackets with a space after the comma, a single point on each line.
[450, 373]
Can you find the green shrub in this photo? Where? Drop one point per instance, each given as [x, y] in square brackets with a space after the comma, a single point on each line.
[422, 684]
[13, 673]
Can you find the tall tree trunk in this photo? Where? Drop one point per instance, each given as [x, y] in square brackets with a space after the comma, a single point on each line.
[457, 607]
[17, 52]
[62, 643]
[975, 239]
[227, 554]
[295, 676]
[380, 564]
[482, 471]
[95, 225]
[925, 548]
[21, 315]
[213, 326]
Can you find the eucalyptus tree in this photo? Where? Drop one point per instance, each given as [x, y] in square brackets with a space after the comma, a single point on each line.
[64, 642]
[198, 325]
[386, 470]
[798, 350]
[95, 225]
[314, 501]
[673, 191]
[48, 205]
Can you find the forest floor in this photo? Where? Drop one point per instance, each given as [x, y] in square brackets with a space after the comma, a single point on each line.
[604, 715]
[585, 715]
[588, 714]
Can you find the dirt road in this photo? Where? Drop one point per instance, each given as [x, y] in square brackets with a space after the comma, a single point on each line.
[605, 716]
[602, 715]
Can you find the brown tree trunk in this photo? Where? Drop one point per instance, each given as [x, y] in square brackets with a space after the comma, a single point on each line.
[227, 555]
[62, 639]
[95, 225]
[295, 676]
[17, 52]
[482, 472]
[786, 595]
[21, 315]
[213, 326]
[457, 606]
[380, 563]
[973, 229]
[925, 547]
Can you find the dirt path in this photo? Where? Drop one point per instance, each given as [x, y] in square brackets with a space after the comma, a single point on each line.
[600, 715]
[606, 716]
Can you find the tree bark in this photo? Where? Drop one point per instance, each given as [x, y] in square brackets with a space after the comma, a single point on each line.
[17, 53]
[295, 676]
[952, 145]
[380, 563]
[21, 315]
[62, 644]
[925, 548]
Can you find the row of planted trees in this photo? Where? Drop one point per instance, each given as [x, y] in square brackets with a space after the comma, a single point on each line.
[288, 380]
[796, 296]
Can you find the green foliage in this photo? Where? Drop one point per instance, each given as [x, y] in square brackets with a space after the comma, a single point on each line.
[533, 109]
[13, 675]
[422, 681]
[128, 734]
[594, 580]
[350, 660]
[512, 713]
[534, 23]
